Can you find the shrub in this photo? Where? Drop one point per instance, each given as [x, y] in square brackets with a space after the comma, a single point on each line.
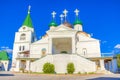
[70, 68]
[91, 73]
[79, 72]
[22, 70]
[48, 68]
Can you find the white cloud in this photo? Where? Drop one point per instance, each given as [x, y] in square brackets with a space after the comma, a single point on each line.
[117, 46]
[9, 50]
[91, 34]
[103, 42]
[6, 48]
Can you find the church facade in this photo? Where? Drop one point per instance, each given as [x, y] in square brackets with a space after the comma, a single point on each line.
[60, 45]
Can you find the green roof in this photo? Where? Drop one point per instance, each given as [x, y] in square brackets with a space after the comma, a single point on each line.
[3, 55]
[77, 21]
[53, 23]
[28, 21]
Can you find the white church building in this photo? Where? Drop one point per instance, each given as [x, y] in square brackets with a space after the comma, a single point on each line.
[60, 45]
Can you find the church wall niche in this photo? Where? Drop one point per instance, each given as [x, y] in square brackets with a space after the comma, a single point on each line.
[43, 51]
[62, 45]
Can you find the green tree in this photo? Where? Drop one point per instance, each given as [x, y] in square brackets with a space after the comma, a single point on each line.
[48, 68]
[118, 60]
[70, 68]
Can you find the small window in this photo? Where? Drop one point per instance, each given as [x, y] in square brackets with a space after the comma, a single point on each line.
[23, 48]
[22, 37]
[84, 50]
[33, 39]
[19, 48]
[24, 28]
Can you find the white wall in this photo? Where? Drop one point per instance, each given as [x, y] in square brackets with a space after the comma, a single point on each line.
[29, 35]
[78, 27]
[61, 60]
[37, 49]
[92, 48]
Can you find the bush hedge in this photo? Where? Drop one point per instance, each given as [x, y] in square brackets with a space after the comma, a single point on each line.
[70, 68]
[48, 68]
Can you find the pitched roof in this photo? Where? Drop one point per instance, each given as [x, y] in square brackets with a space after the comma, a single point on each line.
[28, 21]
[3, 55]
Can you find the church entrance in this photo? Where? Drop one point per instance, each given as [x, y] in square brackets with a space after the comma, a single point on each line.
[62, 45]
[23, 64]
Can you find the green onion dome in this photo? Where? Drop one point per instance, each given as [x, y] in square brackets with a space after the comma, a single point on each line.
[77, 21]
[53, 23]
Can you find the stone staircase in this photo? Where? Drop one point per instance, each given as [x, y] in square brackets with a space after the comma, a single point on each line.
[61, 60]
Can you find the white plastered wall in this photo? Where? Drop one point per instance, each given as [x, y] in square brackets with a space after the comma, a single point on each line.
[92, 48]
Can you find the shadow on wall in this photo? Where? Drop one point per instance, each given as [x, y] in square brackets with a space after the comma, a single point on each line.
[104, 78]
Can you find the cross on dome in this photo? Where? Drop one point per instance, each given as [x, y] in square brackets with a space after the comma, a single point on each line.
[65, 14]
[29, 7]
[77, 21]
[61, 16]
[53, 14]
[76, 12]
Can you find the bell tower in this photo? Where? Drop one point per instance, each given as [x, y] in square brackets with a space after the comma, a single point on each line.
[23, 38]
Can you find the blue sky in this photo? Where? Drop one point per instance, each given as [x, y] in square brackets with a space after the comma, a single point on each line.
[100, 18]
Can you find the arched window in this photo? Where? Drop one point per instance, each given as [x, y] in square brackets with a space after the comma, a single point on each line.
[43, 51]
[19, 48]
[23, 48]
[23, 36]
[33, 39]
[84, 51]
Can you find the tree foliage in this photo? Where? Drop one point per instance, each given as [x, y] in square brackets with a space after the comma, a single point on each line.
[70, 68]
[48, 68]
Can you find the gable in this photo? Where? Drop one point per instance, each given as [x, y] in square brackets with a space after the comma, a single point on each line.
[61, 28]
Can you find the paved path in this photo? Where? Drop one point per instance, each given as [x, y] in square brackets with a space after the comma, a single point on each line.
[16, 76]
